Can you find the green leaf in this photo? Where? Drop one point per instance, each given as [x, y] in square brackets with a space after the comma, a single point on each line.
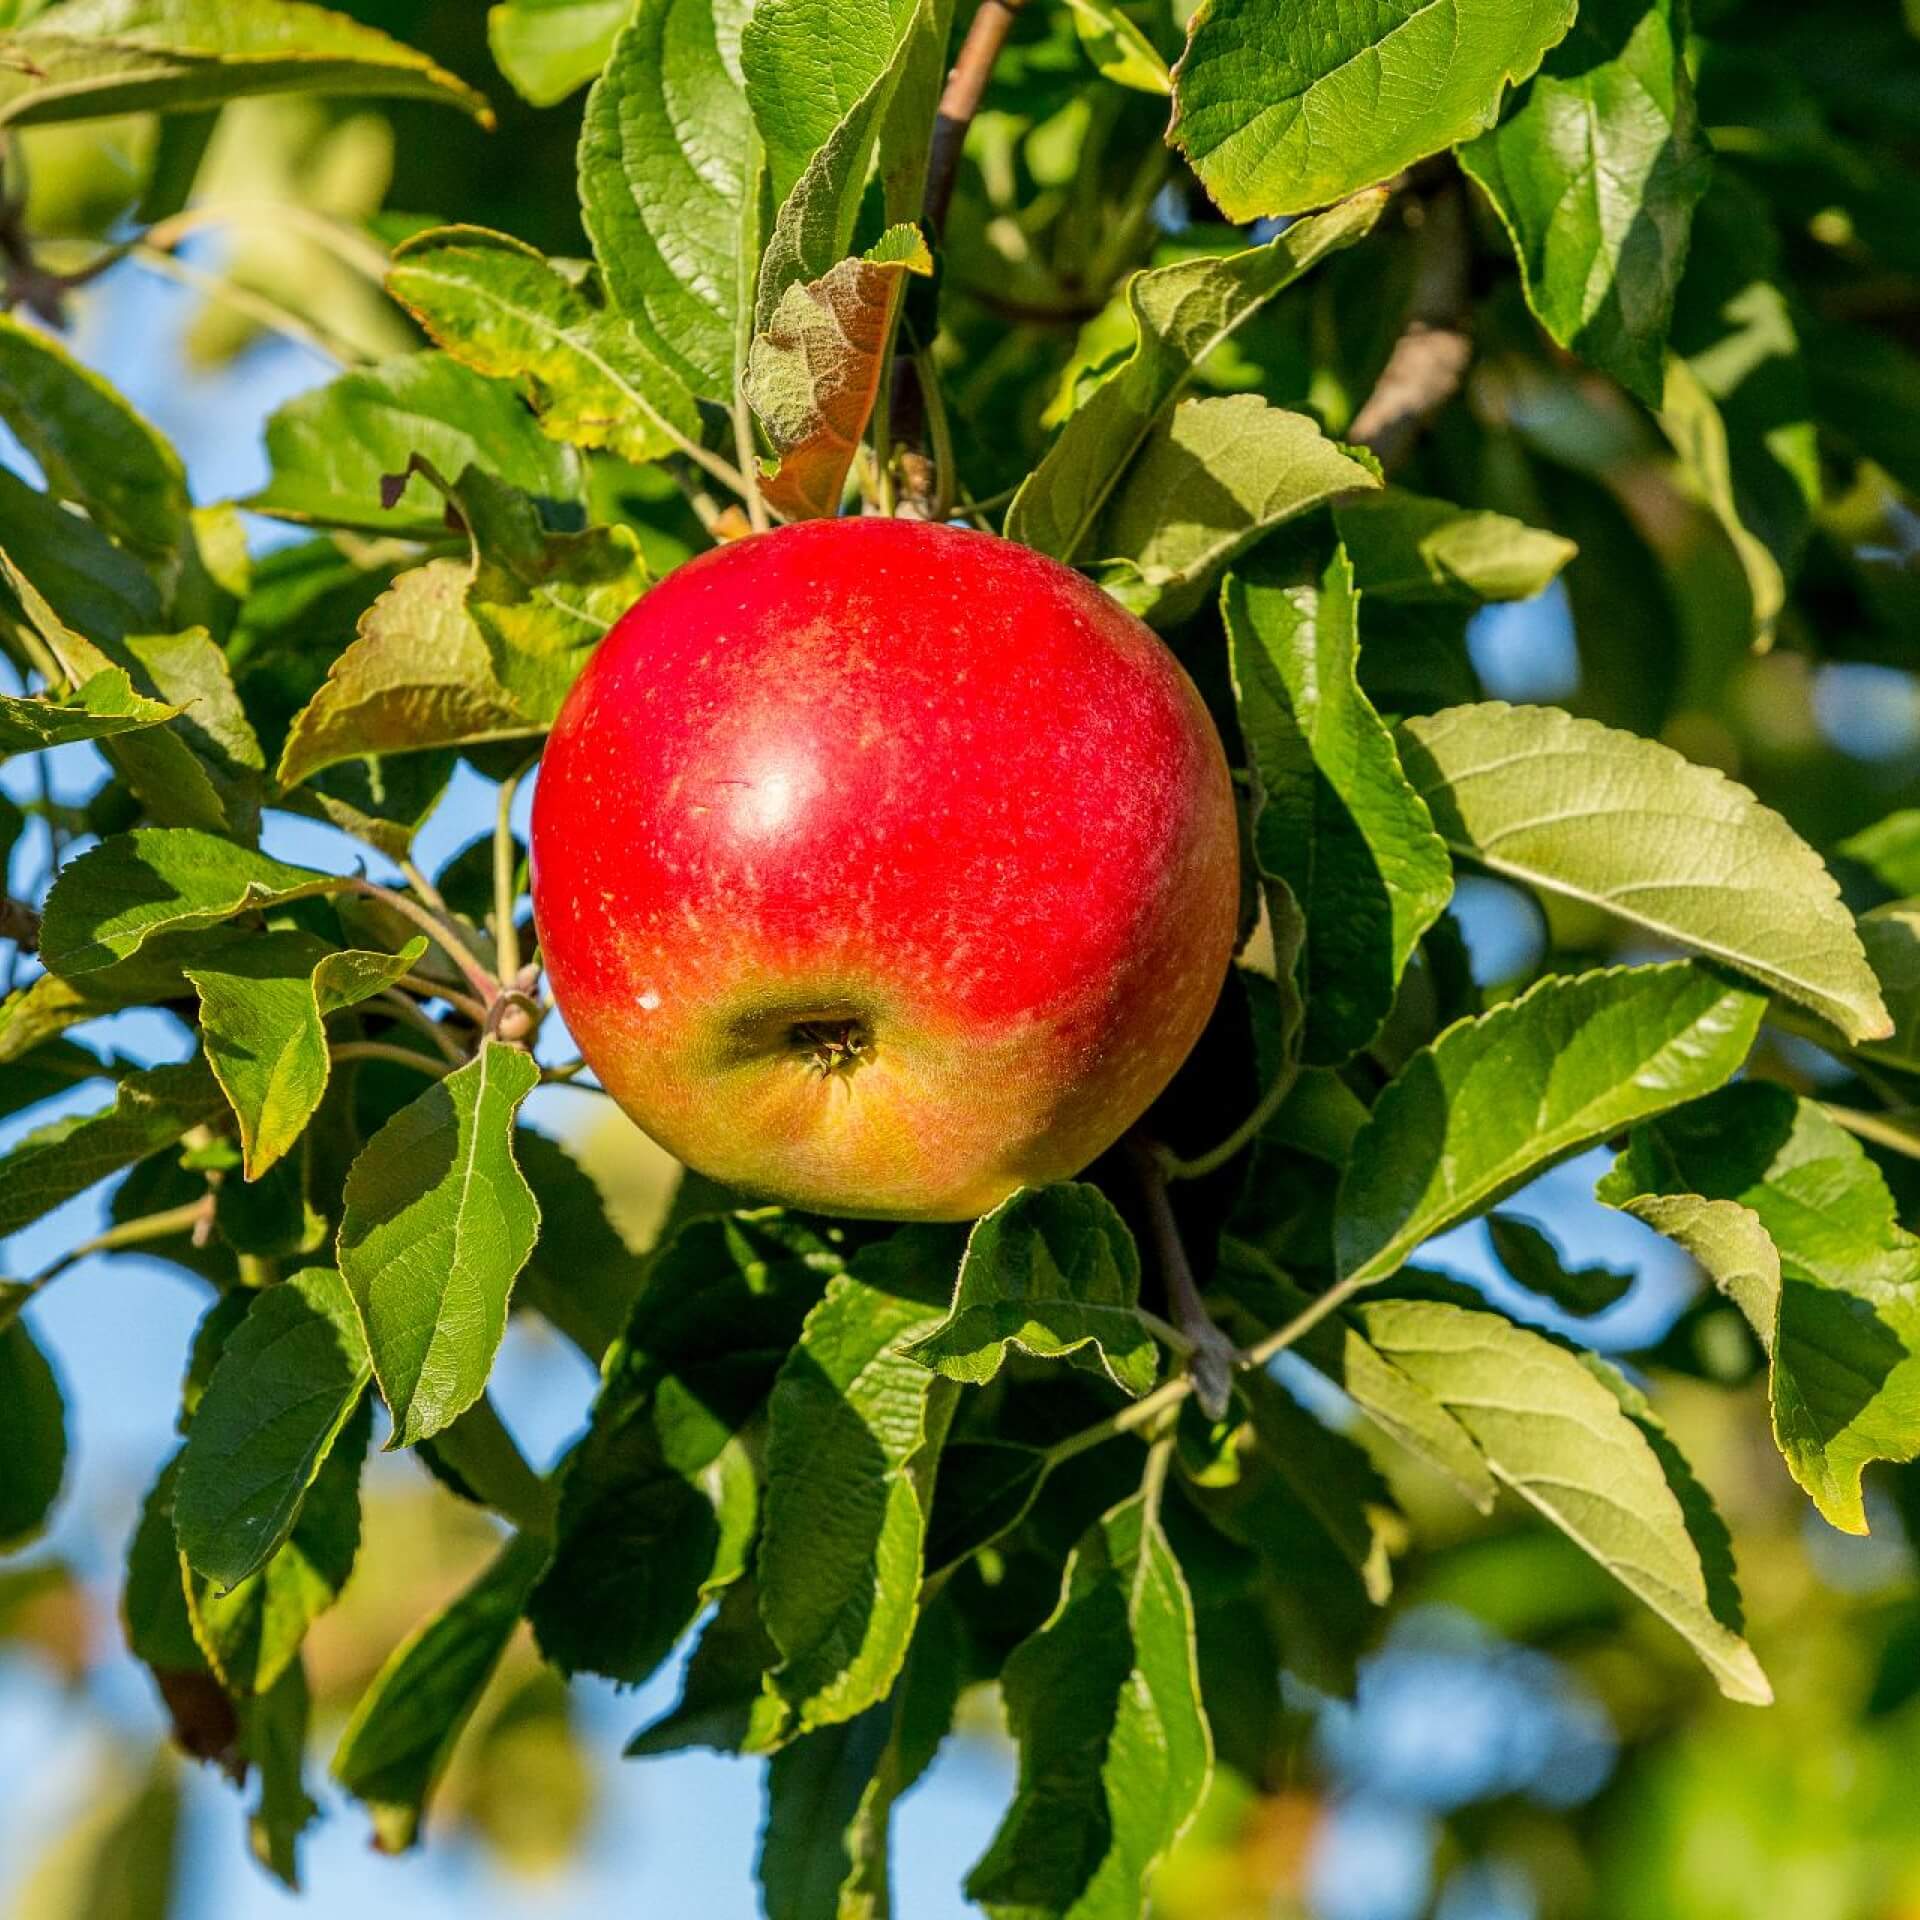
[93, 448]
[815, 1790]
[1794, 1223]
[1335, 820]
[251, 1632]
[1395, 1404]
[117, 896]
[1281, 108]
[197, 770]
[984, 1490]
[402, 1733]
[542, 601]
[1890, 936]
[33, 1436]
[90, 583]
[547, 48]
[819, 140]
[1118, 48]
[813, 375]
[854, 1429]
[1534, 1262]
[151, 1110]
[1180, 314]
[659, 1502]
[1211, 479]
[1054, 1272]
[501, 307]
[1595, 174]
[671, 180]
[288, 1379]
[105, 705]
[724, 1703]
[1866, 387]
[274, 1732]
[1579, 1445]
[263, 1002]
[830, 1796]
[1103, 1702]
[1627, 825]
[1333, 1481]
[1495, 1101]
[159, 1632]
[1408, 547]
[479, 1460]
[1739, 327]
[437, 1221]
[1890, 851]
[1692, 421]
[333, 448]
[190, 671]
[92, 58]
[419, 674]
[807, 64]
[581, 1276]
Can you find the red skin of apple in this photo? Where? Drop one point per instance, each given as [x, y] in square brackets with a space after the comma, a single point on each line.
[882, 868]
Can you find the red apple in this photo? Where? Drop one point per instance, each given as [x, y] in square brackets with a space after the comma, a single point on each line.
[882, 868]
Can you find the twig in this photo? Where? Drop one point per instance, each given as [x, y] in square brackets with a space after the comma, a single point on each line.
[386, 1050]
[1242, 1137]
[1143, 1413]
[485, 986]
[1214, 1357]
[475, 1010]
[1429, 360]
[393, 1001]
[19, 923]
[129, 1233]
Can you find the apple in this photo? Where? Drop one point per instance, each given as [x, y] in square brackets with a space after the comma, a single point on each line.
[881, 868]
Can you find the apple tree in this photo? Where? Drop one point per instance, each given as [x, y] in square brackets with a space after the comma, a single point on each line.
[1352, 348]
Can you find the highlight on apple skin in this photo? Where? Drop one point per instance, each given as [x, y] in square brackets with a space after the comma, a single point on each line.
[881, 868]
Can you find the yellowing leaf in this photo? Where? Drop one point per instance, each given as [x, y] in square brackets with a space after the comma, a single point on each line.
[1574, 1441]
[813, 375]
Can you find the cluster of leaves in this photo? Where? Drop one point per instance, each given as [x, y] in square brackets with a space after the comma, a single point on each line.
[885, 1466]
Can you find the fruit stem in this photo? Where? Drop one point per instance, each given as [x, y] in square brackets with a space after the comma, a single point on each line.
[506, 934]
[940, 432]
[1241, 1138]
[1214, 1357]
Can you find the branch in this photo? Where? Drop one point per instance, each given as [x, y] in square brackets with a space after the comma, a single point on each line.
[1213, 1357]
[959, 101]
[19, 923]
[1430, 358]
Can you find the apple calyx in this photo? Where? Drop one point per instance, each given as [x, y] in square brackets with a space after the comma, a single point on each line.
[831, 1046]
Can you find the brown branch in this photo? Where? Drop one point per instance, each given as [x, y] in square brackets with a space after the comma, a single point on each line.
[20, 924]
[1214, 1357]
[1429, 360]
[959, 101]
